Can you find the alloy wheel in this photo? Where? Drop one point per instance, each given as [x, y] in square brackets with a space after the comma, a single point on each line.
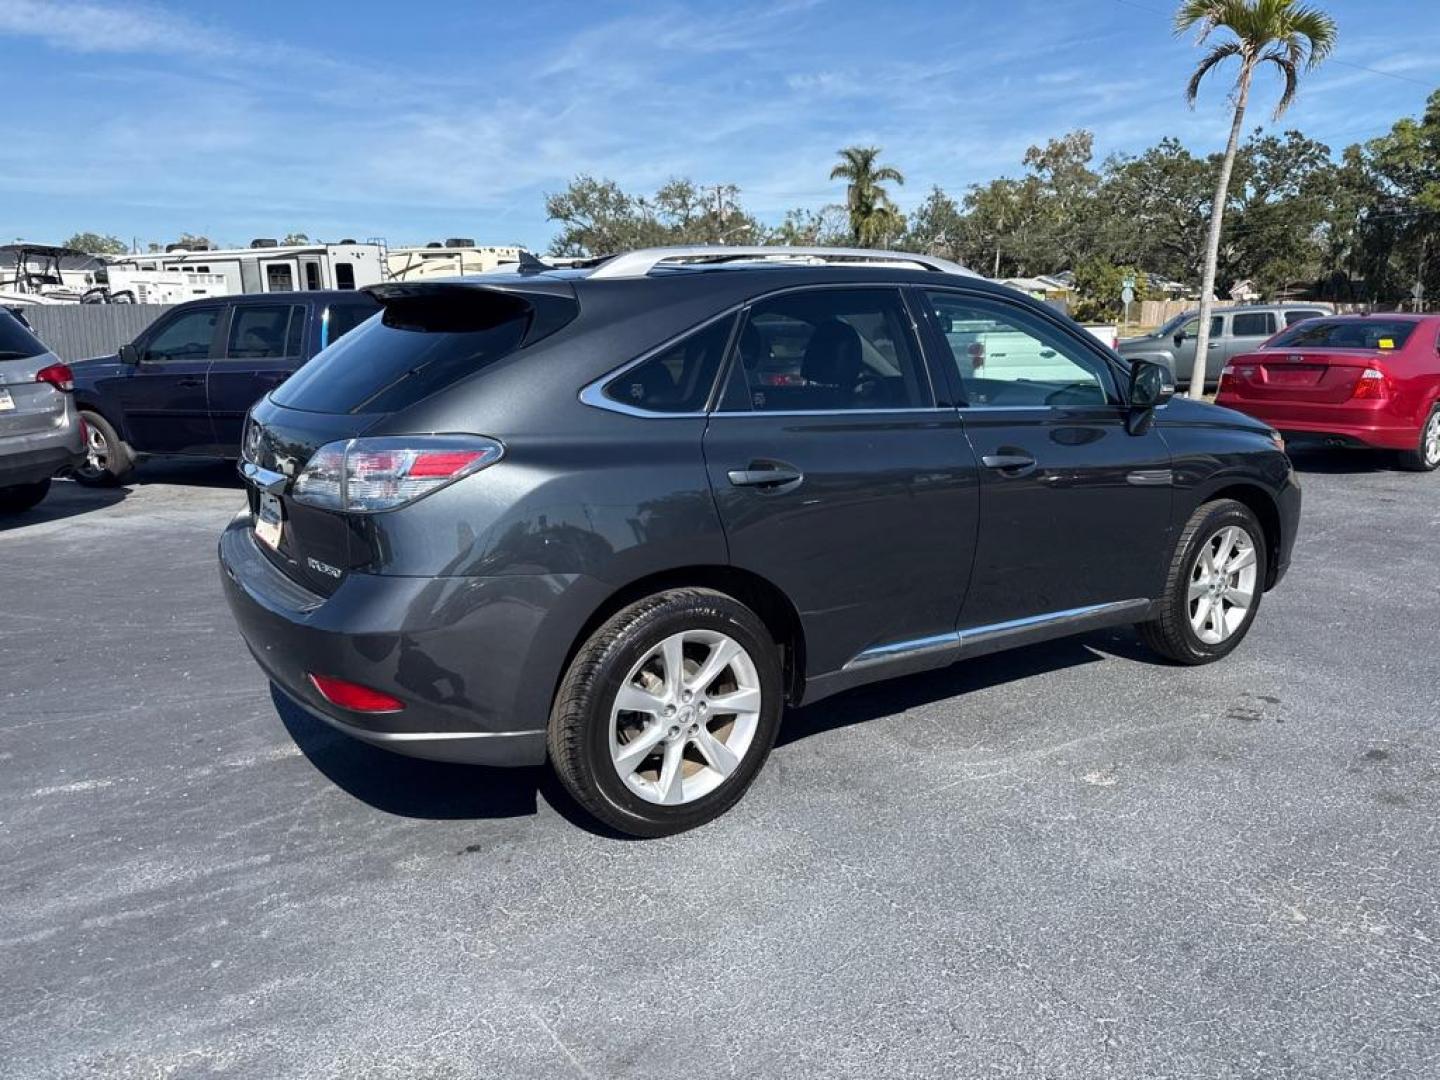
[1222, 584]
[97, 453]
[1430, 445]
[684, 717]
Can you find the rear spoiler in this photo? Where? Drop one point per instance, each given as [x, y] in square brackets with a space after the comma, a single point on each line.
[459, 305]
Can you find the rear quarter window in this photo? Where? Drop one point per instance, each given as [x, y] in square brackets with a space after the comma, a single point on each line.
[16, 342]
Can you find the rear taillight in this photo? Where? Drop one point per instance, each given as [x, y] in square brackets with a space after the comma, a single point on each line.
[1226, 374]
[57, 375]
[363, 476]
[1372, 385]
[353, 696]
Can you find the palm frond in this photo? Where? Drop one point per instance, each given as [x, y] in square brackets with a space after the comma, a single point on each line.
[1291, 71]
[1222, 51]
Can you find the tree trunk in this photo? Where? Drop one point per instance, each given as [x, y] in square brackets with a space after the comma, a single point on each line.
[1212, 241]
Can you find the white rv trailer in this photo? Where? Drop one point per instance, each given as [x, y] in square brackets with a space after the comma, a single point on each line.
[269, 267]
[451, 259]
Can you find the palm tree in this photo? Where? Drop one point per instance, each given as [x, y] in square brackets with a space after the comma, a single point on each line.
[1279, 32]
[873, 217]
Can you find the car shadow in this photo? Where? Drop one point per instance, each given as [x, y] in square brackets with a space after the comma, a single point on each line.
[194, 472]
[965, 677]
[411, 787]
[65, 499]
[1339, 461]
[415, 788]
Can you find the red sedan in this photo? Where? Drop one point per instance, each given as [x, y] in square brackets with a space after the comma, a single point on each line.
[1347, 380]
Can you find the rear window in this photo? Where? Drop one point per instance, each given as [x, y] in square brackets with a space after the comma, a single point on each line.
[424, 342]
[15, 341]
[1364, 333]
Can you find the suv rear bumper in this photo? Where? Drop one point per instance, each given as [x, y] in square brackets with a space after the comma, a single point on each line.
[30, 466]
[461, 653]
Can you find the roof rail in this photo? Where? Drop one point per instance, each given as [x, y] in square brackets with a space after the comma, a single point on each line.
[633, 264]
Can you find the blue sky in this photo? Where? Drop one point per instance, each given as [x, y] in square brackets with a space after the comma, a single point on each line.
[430, 119]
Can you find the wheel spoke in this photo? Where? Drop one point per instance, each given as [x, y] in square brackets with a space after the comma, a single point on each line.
[672, 774]
[743, 700]
[632, 698]
[1238, 597]
[1199, 588]
[631, 754]
[1226, 550]
[719, 756]
[672, 654]
[1240, 561]
[720, 656]
[1202, 614]
[1207, 560]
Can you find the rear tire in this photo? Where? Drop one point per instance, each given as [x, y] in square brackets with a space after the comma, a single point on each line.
[1426, 455]
[1214, 585]
[695, 739]
[108, 461]
[22, 497]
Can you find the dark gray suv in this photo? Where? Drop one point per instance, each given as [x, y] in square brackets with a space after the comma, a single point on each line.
[621, 516]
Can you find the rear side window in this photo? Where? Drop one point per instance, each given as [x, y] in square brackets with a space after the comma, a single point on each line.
[1251, 324]
[15, 340]
[1362, 333]
[828, 350]
[1293, 317]
[264, 331]
[424, 342]
[679, 378]
[340, 319]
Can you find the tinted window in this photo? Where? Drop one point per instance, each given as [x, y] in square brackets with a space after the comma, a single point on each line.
[15, 340]
[262, 331]
[1361, 333]
[340, 319]
[1008, 356]
[187, 337]
[1251, 324]
[830, 349]
[312, 275]
[1192, 328]
[422, 344]
[344, 275]
[278, 278]
[679, 378]
[1292, 317]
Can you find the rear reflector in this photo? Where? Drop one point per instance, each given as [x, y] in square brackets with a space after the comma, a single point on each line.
[1372, 385]
[353, 696]
[57, 375]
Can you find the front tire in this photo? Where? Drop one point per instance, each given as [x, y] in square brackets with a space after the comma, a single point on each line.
[21, 497]
[1426, 455]
[667, 712]
[1214, 585]
[108, 461]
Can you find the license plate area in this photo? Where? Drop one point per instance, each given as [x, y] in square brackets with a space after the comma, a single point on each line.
[269, 520]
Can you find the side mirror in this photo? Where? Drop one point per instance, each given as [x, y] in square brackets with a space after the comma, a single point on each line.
[129, 355]
[1179, 338]
[1151, 385]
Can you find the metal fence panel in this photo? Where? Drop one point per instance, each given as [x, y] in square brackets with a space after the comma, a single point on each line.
[80, 331]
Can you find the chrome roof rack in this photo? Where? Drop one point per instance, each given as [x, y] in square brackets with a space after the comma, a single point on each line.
[635, 264]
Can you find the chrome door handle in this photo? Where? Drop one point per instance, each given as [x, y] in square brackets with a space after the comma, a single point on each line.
[765, 474]
[1212, 345]
[1007, 461]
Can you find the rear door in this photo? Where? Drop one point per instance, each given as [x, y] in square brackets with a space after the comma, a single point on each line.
[264, 346]
[838, 476]
[1248, 331]
[1074, 509]
[163, 395]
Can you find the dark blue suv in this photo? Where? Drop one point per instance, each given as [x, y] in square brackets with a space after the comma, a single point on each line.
[184, 385]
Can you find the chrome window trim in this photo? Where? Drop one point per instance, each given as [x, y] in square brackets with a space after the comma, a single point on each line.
[957, 640]
[593, 393]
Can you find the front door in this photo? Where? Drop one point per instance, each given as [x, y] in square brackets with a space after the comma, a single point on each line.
[264, 346]
[163, 396]
[1185, 342]
[838, 478]
[1074, 510]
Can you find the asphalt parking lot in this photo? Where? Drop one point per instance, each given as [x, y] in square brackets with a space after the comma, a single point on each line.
[1067, 861]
